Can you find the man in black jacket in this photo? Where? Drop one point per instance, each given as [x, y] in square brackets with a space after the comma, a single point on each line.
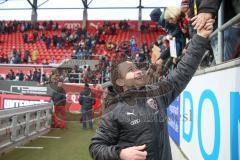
[134, 125]
[86, 100]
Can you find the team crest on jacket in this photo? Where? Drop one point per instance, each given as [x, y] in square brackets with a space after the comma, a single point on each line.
[152, 103]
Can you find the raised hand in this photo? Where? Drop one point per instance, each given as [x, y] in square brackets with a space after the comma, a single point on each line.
[207, 29]
[200, 20]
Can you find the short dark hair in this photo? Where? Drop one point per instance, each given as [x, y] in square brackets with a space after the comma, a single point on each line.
[115, 73]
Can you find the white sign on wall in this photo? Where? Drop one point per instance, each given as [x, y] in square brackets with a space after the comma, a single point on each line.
[213, 101]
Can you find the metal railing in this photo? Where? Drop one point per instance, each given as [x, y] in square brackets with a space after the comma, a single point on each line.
[220, 31]
[25, 123]
[78, 78]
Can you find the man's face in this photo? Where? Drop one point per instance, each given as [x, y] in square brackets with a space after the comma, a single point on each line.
[130, 75]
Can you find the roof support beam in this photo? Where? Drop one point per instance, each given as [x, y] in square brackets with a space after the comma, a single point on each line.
[34, 10]
[85, 14]
[140, 15]
[32, 5]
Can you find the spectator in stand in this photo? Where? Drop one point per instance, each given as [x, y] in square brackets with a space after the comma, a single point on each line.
[146, 53]
[55, 26]
[102, 38]
[55, 39]
[35, 55]
[5, 59]
[59, 42]
[10, 75]
[123, 25]
[164, 61]
[30, 38]
[185, 7]
[89, 75]
[36, 26]
[26, 56]
[44, 26]
[53, 60]
[132, 41]
[134, 51]
[107, 75]
[145, 28]
[21, 76]
[45, 62]
[18, 57]
[1, 26]
[13, 55]
[12, 60]
[42, 36]
[1, 77]
[35, 36]
[17, 76]
[14, 51]
[35, 75]
[25, 38]
[165, 51]
[172, 17]
[44, 77]
[113, 29]
[50, 25]
[142, 57]
[39, 75]
[22, 27]
[48, 42]
[1, 59]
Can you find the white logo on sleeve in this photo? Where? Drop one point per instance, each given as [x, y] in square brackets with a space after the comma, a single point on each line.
[152, 103]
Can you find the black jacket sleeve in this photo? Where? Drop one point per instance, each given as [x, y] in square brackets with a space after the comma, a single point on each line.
[185, 69]
[104, 143]
[209, 6]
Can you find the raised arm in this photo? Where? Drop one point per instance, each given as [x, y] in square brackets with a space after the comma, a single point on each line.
[188, 65]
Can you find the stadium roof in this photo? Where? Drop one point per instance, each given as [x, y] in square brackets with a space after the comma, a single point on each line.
[73, 9]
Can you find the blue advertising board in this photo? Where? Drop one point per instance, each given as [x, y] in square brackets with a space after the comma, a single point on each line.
[173, 112]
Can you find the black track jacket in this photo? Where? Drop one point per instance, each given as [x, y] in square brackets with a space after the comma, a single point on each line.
[145, 121]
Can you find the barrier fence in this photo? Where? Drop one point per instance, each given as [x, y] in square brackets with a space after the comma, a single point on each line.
[23, 124]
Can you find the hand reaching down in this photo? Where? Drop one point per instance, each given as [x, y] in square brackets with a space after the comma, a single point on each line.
[200, 20]
[207, 29]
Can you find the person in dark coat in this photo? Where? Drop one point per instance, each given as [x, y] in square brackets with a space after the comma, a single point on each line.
[59, 100]
[21, 76]
[86, 100]
[134, 123]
